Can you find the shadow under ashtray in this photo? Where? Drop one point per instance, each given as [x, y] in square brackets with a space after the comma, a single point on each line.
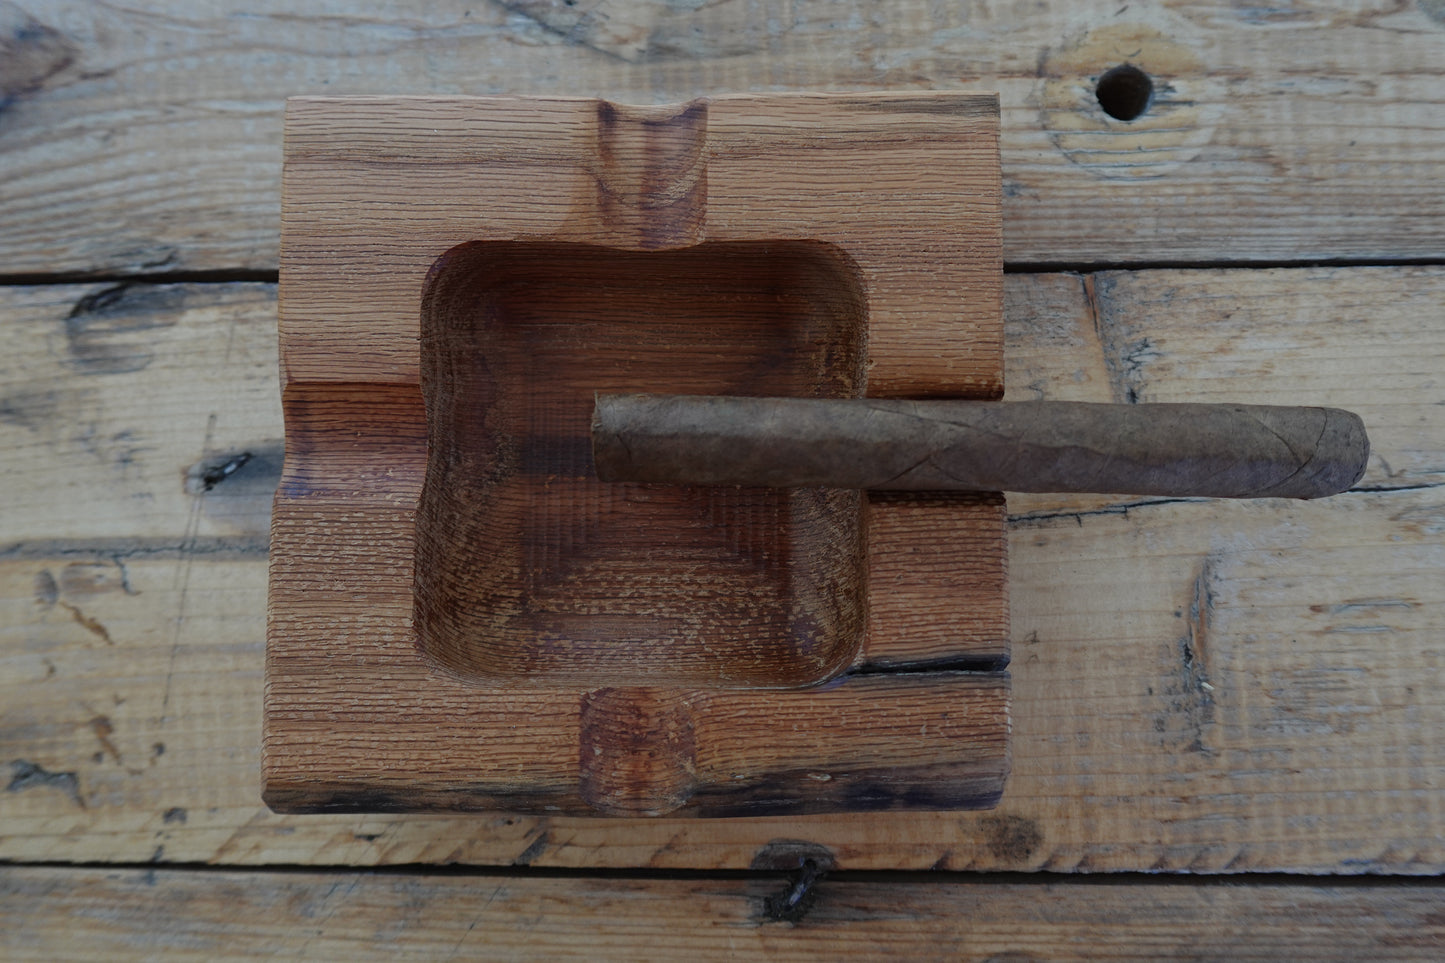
[529, 571]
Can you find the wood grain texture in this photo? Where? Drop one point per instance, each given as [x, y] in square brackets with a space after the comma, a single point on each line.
[70, 914]
[133, 401]
[1312, 695]
[150, 140]
[453, 591]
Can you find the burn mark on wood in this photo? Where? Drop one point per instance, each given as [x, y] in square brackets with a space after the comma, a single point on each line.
[110, 331]
[27, 775]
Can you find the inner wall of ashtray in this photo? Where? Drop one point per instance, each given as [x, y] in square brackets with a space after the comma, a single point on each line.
[531, 571]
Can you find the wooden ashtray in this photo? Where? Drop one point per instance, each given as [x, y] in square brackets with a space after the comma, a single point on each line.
[462, 616]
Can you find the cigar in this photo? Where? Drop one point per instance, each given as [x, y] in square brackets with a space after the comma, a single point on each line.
[1209, 450]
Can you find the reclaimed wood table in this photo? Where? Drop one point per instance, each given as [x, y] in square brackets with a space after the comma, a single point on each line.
[1202, 202]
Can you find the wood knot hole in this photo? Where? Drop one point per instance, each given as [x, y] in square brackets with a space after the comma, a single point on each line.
[1125, 92]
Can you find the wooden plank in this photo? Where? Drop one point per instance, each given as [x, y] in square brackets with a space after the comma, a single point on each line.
[150, 140]
[134, 402]
[1295, 736]
[65, 914]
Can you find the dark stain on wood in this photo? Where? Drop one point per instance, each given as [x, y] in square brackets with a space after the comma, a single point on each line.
[103, 729]
[806, 863]
[788, 855]
[81, 579]
[535, 848]
[1012, 839]
[91, 624]
[494, 797]
[213, 475]
[111, 331]
[795, 793]
[176, 814]
[47, 593]
[797, 897]
[250, 473]
[32, 409]
[30, 54]
[27, 775]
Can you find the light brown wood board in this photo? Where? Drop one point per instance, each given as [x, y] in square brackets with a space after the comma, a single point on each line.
[134, 914]
[461, 617]
[1296, 736]
[148, 139]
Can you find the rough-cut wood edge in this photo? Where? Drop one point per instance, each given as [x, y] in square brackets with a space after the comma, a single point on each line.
[61, 914]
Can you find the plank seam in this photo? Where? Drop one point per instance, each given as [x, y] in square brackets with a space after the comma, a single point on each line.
[1043, 877]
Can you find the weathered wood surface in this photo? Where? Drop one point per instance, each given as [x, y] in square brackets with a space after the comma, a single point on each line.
[1198, 685]
[149, 140]
[87, 914]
